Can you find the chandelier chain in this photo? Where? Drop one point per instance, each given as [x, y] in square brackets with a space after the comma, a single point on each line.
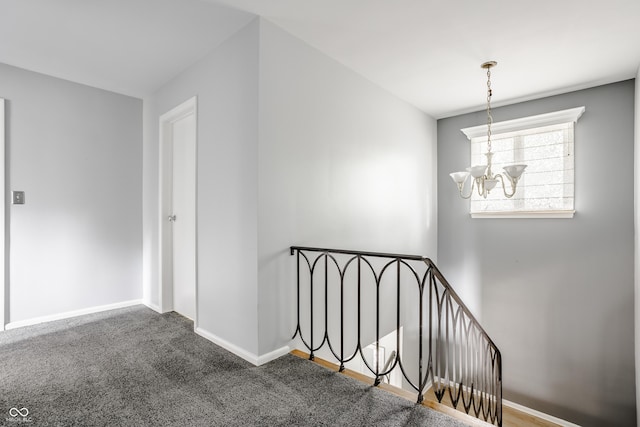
[489, 117]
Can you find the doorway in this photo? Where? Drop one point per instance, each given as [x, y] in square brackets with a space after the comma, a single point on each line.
[178, 279]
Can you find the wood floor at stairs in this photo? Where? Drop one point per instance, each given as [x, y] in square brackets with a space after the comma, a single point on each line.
[510, 416]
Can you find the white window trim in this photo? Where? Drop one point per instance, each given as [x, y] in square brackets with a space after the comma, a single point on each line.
[515, 125]
[548, 119]
[524, 214]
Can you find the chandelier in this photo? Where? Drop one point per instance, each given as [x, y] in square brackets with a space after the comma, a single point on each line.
[483, 178]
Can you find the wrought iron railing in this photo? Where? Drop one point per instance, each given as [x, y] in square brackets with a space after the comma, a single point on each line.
[452, 354]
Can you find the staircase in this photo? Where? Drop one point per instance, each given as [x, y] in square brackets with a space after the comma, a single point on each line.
[348, 299]
[511, 417]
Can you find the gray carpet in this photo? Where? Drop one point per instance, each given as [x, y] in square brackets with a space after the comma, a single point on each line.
[134, 367]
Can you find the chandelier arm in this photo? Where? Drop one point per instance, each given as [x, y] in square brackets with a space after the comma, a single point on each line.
[504, 187]
[483, 192]
[461, 189]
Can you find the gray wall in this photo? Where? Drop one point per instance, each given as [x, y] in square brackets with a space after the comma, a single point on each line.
[343, 164]
[226, 84]
[557, 295]
[76, 151]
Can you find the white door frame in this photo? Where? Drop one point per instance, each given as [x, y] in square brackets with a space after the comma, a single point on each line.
[4, 309]
[166, 204]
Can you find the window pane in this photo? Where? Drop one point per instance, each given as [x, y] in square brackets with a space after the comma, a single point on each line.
[547, 183]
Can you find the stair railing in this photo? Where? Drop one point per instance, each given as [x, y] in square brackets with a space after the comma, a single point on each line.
[455, 358]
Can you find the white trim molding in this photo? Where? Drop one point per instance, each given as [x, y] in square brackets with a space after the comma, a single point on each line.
[241, 352]
[273, 355]
[524, 214]
[165, 204]
[547, 119]
[75, 313]
[538, 414]
[512, 405]
[152, 306]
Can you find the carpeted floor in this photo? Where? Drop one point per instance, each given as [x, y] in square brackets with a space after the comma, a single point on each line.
[134, 367]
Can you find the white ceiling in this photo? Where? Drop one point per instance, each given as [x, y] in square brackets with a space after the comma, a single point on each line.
[126, 46]
[427, 52]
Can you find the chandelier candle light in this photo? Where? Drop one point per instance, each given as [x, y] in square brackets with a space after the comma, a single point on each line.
[483, 177]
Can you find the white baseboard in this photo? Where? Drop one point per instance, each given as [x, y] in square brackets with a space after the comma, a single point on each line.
[538, 414]
[69, 314]
[240, 352]
[524, 409]
[152, 306]
[266, 358]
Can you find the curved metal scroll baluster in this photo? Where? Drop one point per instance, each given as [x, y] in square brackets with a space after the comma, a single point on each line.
[461, 359]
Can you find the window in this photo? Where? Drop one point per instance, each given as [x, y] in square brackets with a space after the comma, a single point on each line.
[545, 144]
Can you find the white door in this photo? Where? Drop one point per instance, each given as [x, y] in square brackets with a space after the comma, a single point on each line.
[184, 215]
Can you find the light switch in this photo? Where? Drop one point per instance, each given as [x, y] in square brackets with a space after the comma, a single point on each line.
[18, 197]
